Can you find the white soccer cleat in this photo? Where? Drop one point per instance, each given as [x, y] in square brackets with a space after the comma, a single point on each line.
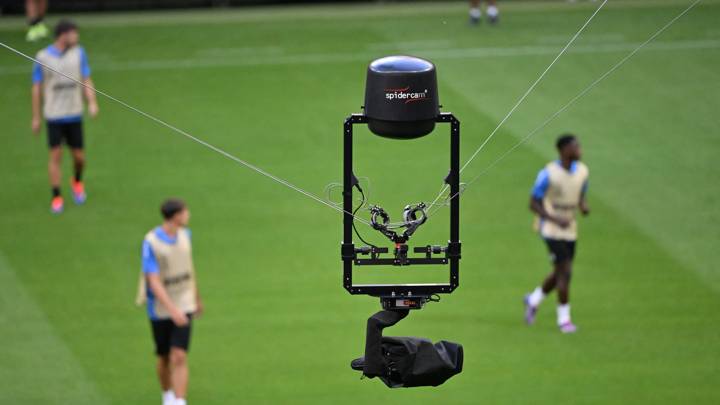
[568, 327]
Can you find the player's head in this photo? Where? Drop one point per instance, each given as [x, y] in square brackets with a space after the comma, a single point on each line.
[568, 147]
[176, 211]
[66, 32]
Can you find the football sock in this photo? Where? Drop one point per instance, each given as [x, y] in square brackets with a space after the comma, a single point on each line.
[56, 192]
[35, 21]
[168, 397]
[563, 314]
[78, 176]
[536, 297]
[180, 401]
[475, 12]
[492, 11]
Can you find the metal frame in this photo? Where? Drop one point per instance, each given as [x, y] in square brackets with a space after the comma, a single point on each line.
[349, 252]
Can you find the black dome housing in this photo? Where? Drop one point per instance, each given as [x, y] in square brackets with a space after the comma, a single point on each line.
[401, 97]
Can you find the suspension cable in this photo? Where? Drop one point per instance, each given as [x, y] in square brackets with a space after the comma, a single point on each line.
[567, 105]
[188, 135]
[524, 96]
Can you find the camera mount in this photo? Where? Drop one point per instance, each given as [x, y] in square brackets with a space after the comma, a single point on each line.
[401, 296]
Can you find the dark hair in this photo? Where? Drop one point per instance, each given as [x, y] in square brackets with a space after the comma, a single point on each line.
[564, 140]
[171, 207]
[64, 26]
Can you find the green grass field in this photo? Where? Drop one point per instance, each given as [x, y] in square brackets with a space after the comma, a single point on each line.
[273, 85]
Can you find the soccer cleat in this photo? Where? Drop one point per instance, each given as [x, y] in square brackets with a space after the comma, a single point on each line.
[568, 327]
[78, 190]
[56, 205]
[42, 29]
[530, 311]
[37, 32]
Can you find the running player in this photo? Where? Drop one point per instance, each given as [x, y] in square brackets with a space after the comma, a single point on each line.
[168, 285]
[62, 106]
[558, 193]
[492, 11]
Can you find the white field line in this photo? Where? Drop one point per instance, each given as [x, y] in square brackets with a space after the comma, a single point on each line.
[321, 58]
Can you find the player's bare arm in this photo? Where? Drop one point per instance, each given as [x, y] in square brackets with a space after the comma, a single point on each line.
[157, 287]
[36, 102]
[584, 207]
[89, 92]
[200, 308]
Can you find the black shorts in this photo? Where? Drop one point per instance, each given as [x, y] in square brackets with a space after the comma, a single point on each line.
[69, 132]
[166, 334]
[561, 250]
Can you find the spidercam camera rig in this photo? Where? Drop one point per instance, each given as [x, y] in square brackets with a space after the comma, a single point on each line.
[401, 102]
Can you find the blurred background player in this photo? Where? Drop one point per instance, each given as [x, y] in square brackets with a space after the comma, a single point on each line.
[558, 193]
[476, 13]
[168, 285]
[35, 12]
[62, 106]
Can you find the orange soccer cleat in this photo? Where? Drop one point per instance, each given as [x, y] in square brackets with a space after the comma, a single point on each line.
[78, 190]
[56, 205]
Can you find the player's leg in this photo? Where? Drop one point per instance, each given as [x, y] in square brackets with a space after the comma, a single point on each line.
[180, 373]
[31, 10]
[163, 372]
[563, 309]
[564, 274]
[562, 277]
[54, 161]
[535, 298]
[35, 12]
[549, 283]
[54, 170]
[493, 12]
[55, 137]
[179, 346]
[78, 155]
[75, 142]
[475, 12]
[161, 335]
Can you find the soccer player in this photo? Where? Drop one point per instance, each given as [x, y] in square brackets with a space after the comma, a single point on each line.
[172, 297]
[35, 12]
[62, 106]
[492, 11]
[558, 193]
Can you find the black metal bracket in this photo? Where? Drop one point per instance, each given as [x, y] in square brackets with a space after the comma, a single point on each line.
[413, 294]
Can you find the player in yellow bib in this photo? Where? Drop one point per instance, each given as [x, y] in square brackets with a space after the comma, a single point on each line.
[558, 193]
[168, 285]
[58, 97]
